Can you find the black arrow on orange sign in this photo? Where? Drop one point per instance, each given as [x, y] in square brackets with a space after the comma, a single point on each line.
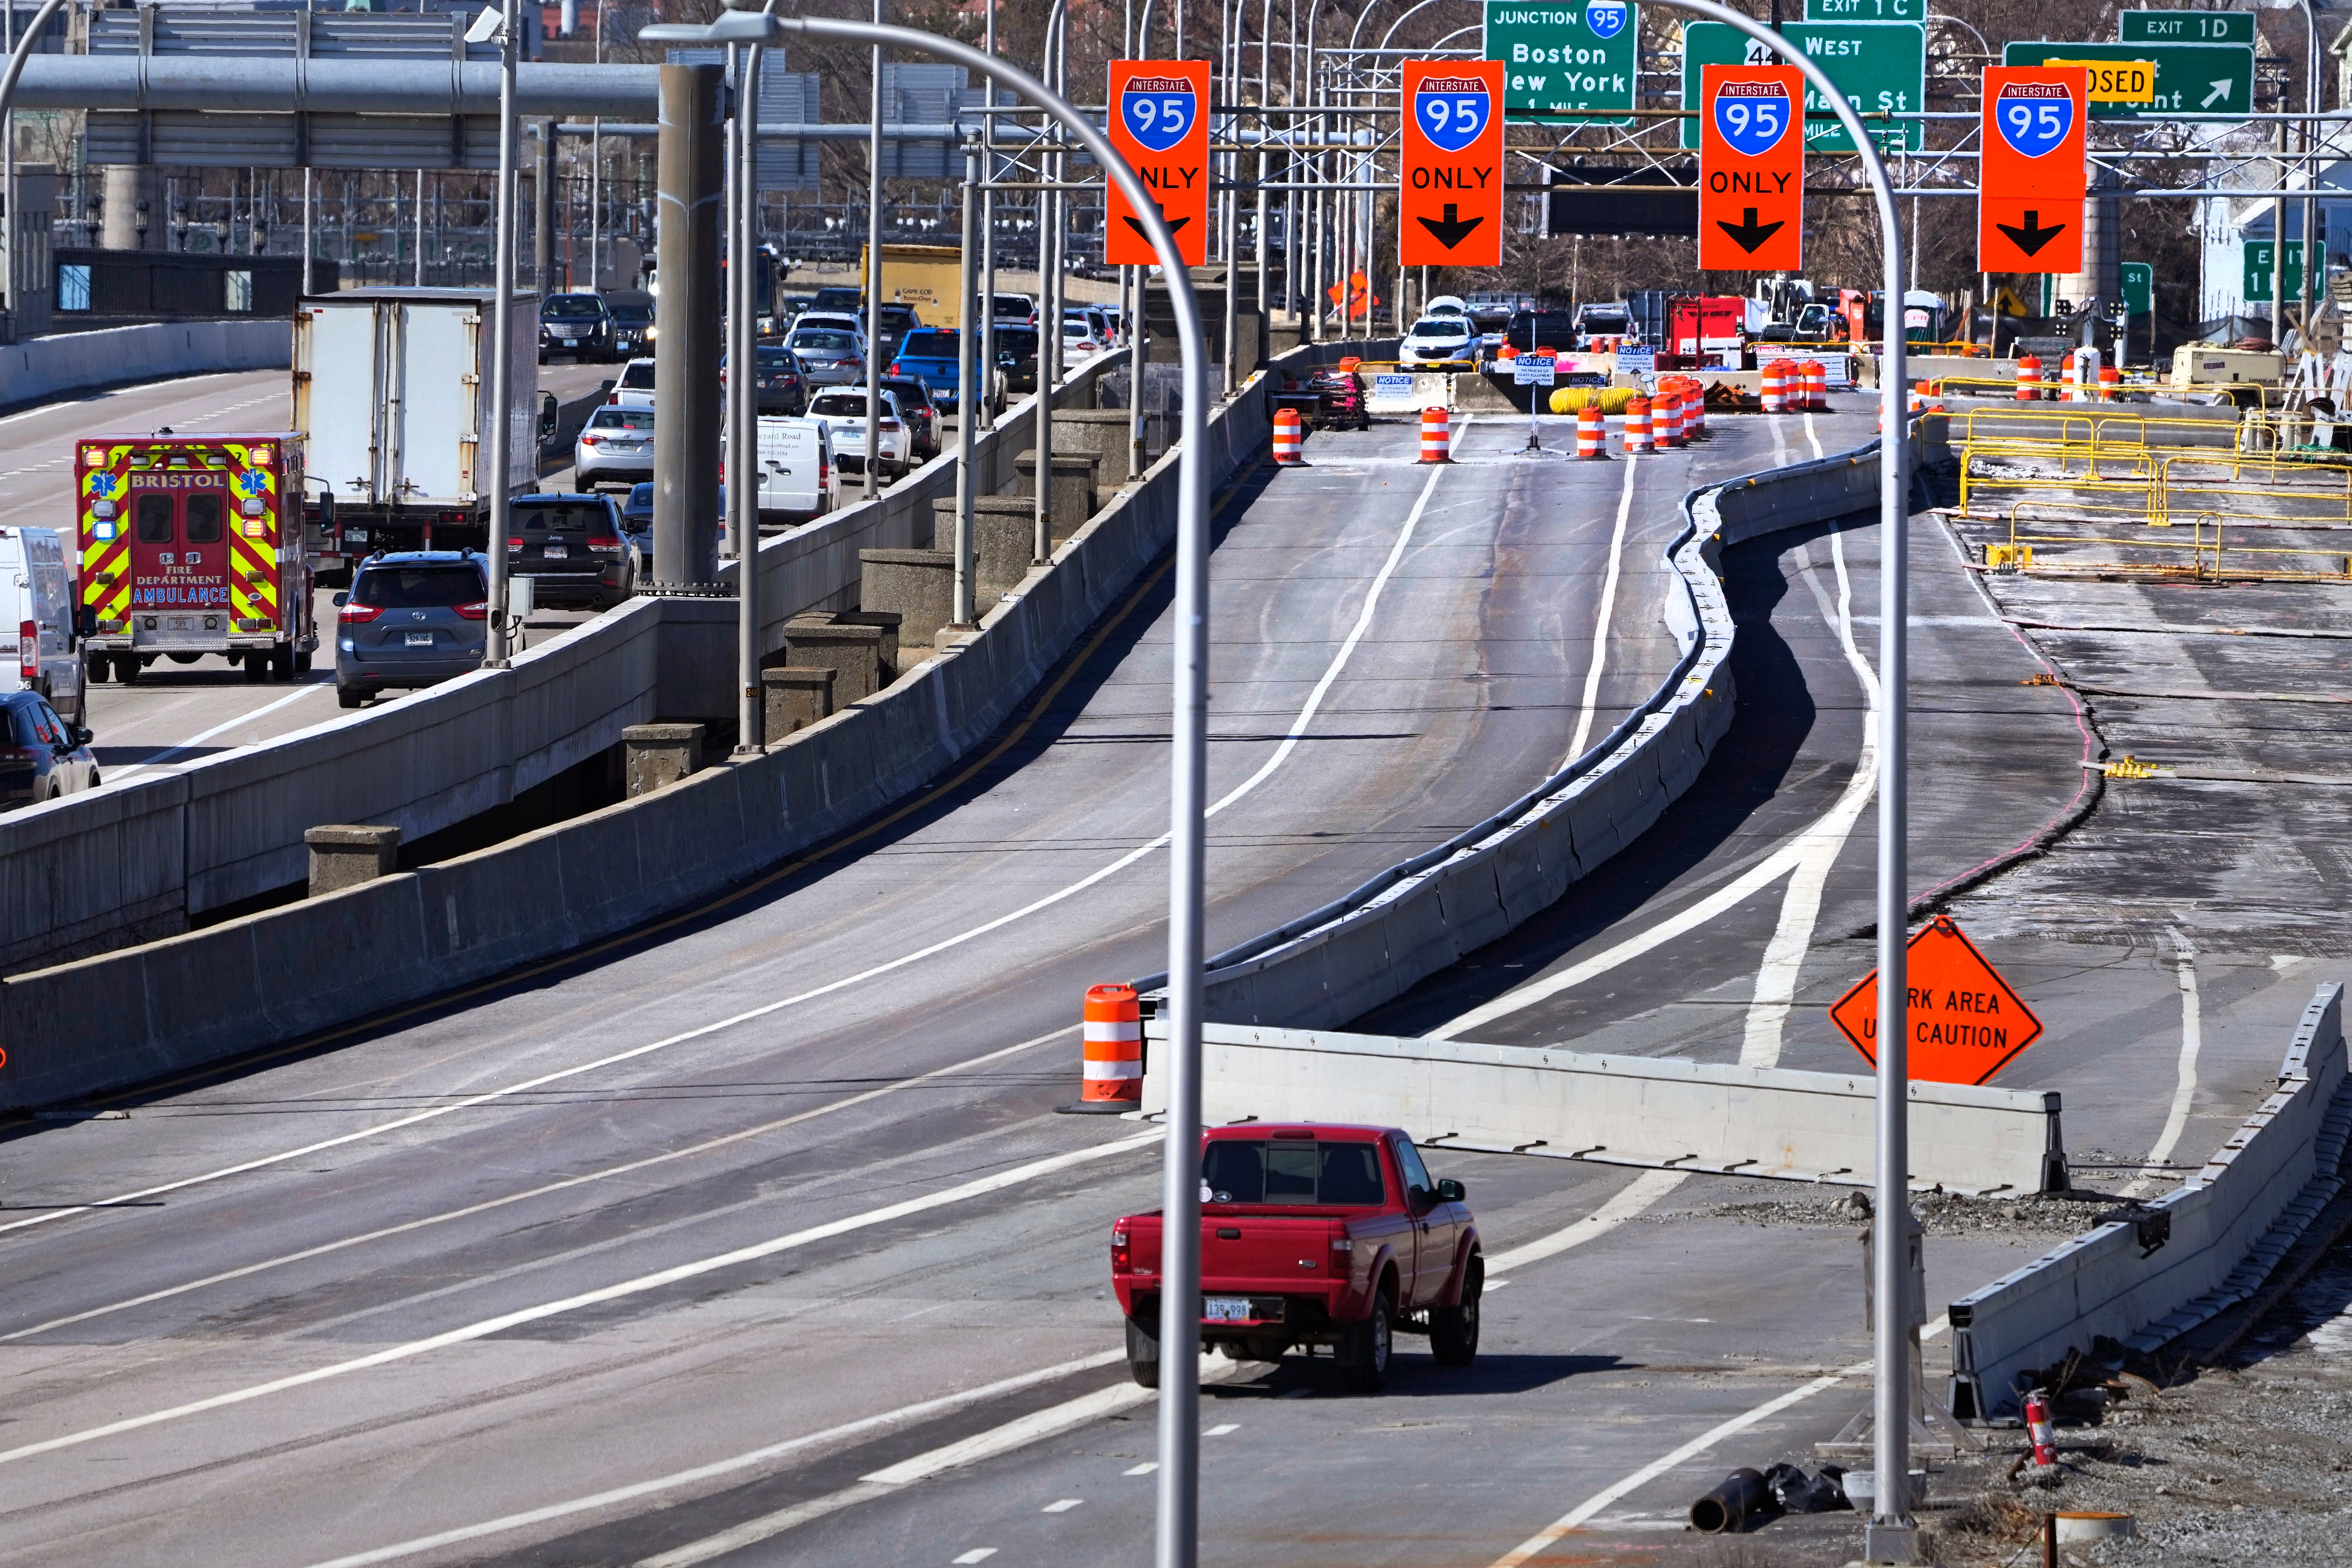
[1748, 234]
[1173, 224]
[2032, 237]
[1452, 230]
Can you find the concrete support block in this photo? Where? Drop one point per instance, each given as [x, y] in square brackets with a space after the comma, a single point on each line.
[854, 652]
[918, 585]
[661, 754]
[887, 623]
[1077, 483]
[343, 856]
[1003, 541]
[1100, 432]
[797, 695]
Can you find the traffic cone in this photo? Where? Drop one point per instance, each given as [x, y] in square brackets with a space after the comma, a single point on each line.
[1592, 434]
[1287, 437]
[1436, 440]
[1113, 1052]
[2029, 379]
[1668, 417]
[1637, 426]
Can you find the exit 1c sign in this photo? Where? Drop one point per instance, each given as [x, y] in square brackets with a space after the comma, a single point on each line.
[1866, 10]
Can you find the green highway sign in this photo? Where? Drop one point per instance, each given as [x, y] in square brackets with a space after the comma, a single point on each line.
[2257, 280]
[2182, 27]
[1566, 60]
[2139, 288]
[1878, 66]
[1866, 10]
[2193, 82]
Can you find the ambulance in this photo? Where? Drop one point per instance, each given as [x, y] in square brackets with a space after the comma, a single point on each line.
[193, 545]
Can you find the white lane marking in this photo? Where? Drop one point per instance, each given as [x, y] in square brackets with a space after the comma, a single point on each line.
[488, 1204]
[1801, 906]
[200, 738]
[1608, 608]
[69, 401]
[659, 1280]
[977, 1554]
[1222, 1427]
[831, 1437]
[1290, 743]
[1814, 436]
[1627, 1202]
[1144, 1468]
[1064, 1506]
[1015, 1433]
[2184, 1086]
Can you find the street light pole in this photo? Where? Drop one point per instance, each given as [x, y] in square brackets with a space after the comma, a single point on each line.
[743, 409]
[874, 282]
[501, 412]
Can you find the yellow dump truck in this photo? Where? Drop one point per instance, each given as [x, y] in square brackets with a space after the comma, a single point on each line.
[924, 275]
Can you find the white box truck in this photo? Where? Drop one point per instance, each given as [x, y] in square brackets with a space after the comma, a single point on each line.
[391, 396]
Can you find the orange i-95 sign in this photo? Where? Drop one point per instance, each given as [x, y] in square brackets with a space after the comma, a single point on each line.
[1450, 204]
[1752, 168]
[2031, 170]
[1160, 123]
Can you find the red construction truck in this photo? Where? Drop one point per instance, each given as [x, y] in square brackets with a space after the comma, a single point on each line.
[1314, 1234]
[193, 545]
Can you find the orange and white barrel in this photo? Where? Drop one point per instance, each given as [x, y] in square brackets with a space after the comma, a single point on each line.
[1436, 437]
[2111, 384]
[1592, 434]
[2070, 386]
[1287, 435]
[1694, 412]
[1113, 1049]
[1637, 426]
[1673, 428]
[1776, 387]
[1817, 386]
[2029, 379]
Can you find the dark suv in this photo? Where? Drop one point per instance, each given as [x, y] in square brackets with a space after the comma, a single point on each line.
[571, 547]
[577, 324]
[1528, 329]
[412, 619]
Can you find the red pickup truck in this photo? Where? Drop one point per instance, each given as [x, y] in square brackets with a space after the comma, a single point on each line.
[1314, 1235]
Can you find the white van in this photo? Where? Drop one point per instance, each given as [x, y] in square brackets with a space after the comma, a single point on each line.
[796, 468]
[38, 601]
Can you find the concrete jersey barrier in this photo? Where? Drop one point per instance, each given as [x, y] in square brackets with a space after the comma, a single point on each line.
[2197, 1250]
[68, 363]
[247, 983]
[1622, 1111]
[1424, 914]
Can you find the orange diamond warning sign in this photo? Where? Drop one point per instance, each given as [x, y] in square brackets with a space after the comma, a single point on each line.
[1966, 1022]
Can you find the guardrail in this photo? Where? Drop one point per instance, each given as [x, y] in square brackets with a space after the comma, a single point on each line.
[146, 858]
[1424, 914]
[2191, 1253]
[246, 983]
[1622, 1110]
[54, 366]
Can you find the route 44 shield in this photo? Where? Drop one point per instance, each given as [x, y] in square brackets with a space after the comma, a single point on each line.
[1160, 127]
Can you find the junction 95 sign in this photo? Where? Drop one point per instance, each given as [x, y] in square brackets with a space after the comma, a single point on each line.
[1160, 123]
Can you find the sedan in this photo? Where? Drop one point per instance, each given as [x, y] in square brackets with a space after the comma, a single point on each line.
[412, 619]
[782, 389]
[41, 755]
[917, 405]
[829, 356]
[616, 448]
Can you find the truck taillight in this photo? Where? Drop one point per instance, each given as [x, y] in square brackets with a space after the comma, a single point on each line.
[1343, 1244]
[28, 652]
[1122, 1256]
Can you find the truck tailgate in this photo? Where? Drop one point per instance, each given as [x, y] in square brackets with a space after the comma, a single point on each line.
[1244, 1253]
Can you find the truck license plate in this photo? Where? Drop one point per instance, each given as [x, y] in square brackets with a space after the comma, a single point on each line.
[1227, 1309]
[420, 639]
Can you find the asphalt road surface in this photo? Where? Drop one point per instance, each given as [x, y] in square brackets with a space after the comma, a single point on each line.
[639, 1249]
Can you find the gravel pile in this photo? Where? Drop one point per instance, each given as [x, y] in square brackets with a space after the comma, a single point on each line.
[1942, 1213]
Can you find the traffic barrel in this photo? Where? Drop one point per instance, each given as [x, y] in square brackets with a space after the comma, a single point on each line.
[2070, 386]
[1436, 441]
[1817, 386]
[1113, 1051]
[1637, 426]
[1287, 437]
[1695, 412]
[2029, 379]
[1592, 434]
[2111, 383]
[1776, 387]
[1668, 417]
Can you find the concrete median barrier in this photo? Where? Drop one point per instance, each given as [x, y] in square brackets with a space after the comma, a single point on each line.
[2198, 1249]
[1622, 1111]
[76, 1029]
[1433, 910]
[69, 363]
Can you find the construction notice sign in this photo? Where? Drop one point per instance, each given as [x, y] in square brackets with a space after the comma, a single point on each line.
[2031, 175]
[1752, 168]
[1450, 203]
[1160, 123]
[1966, 1022]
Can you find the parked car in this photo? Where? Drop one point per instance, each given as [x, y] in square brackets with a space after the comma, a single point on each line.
[1440, 341]
[635, 389]
[41, 755]
[576, 324]
[843, 412]
[829, 356]
[37, 598]
[782, 389]
[919, 408]
[1314, 1234]
[632, 328]
[413, 619]
[572, 548]
[616, 447]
